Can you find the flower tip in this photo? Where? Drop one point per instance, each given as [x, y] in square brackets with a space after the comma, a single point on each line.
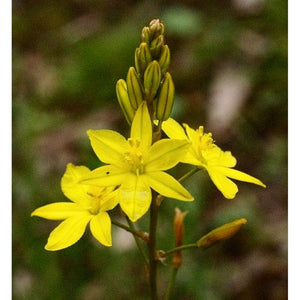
[243, 221]
[263, 185]
[230, 196]
[35, 213]
[133, 218]
[69, 166]
[89, 132]
[49, 248]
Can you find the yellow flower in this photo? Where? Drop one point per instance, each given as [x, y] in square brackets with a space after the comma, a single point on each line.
[89, 205]
[137, 165]
[205, 154]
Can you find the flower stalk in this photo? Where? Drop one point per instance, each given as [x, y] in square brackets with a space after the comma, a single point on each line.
[152, 249]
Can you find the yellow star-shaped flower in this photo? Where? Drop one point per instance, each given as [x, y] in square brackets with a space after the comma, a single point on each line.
[205, 154]
[89, 205]
[137, 165]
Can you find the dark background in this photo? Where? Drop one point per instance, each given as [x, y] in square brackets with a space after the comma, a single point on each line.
[229, 66]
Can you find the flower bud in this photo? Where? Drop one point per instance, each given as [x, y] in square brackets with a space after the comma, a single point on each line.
[179, 233]
[223, 232]
[156, 45]
[156, 28]
[165, 98]
[145, 36]
[164, 60]
[123, 98]
[152, 77]
[134, 88]
[142, 58]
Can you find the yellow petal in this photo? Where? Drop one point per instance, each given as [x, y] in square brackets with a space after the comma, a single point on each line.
[217, 157]
[101, 228]
[192, 134]
[70, 184]
[58, 211]
[141, 128]
[105, 176]
[227, 160]
[68, 232]
[167, 186]
[165, 154]
[109, 146]
[238, 175]
[173, 129]
[110, 200]
[191, 158]
[224, 185]
[135, 197]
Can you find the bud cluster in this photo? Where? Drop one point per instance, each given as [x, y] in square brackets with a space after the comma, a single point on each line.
[149, 79]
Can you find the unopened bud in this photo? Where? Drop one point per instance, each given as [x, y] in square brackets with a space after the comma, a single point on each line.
[152, 77]
[156, 28]
[165, 98]
[179, 226]
[123, 98]
[142, 58]
[145, 36]
[223, 232]
[164, 59]
[134, 88]
[156, 45]
[179, 234]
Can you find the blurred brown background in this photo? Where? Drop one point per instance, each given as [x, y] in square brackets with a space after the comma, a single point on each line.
[229, 65]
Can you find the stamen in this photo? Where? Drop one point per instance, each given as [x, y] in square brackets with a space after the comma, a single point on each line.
[205, 142]
[97, 195]
[134, 157]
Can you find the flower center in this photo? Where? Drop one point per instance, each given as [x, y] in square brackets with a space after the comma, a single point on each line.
[134, 157]
[205, 143]
[97, 197]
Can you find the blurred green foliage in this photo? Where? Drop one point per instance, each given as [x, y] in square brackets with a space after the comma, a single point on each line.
[67, 57]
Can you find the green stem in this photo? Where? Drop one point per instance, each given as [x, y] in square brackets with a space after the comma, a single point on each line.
[183, 247]
[152, 248]
[138, 242]
[159, 125]
[140, 234]
[188, 174]
[171, 283]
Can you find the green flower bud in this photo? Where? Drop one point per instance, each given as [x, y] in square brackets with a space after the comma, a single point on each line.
[156, 45]
[156, 28]
[223, 232]
[123, 98]
[145, 36]
[164, 60]
[134, 88]
[142, 58]
[152, 77]
[165, 99]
